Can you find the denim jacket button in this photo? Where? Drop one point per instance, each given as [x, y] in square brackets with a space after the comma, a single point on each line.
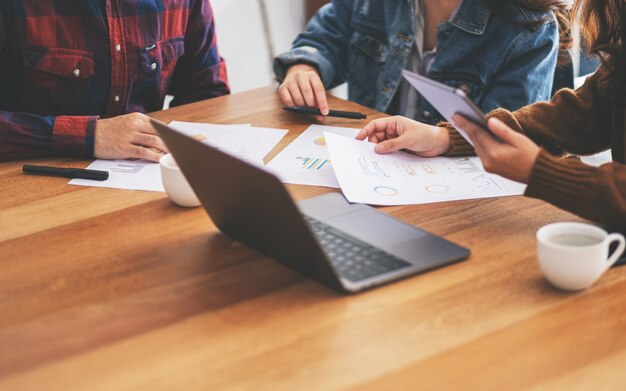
[426, 115]
[465, 88]
[385, 89]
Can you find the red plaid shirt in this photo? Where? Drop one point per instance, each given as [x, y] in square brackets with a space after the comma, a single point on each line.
[65, 63]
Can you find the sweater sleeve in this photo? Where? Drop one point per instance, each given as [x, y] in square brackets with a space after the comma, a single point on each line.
[595, 193]
[574, 121]
[577, 122]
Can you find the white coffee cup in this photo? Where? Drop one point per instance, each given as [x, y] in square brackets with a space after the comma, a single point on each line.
[175, 183]
[573, 256]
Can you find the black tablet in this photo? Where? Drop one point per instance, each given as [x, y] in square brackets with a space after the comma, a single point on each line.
[448, 101]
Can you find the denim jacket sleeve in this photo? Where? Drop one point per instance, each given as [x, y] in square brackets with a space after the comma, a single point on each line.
[527, 71]
[323, 44]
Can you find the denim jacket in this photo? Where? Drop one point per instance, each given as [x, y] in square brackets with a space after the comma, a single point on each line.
[494, 56]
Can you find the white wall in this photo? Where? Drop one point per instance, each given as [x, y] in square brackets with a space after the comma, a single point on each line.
[242, 41]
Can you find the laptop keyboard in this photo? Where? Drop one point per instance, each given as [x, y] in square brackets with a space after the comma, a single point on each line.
[353, 259]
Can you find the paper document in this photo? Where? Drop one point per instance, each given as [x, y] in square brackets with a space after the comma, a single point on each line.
[598, 159]
[248, 143]
[403, 179]
[243, 141]
[126, 174]
[306, 160]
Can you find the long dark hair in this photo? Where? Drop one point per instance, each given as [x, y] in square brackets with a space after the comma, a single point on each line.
[601, 27]
[560, 8]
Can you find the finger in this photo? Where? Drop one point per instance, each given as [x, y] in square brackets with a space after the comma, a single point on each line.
[368, 129]
[306, 90]
[383, 125]
[296, 95]
[477, 134]
[320, 94]
[285, 96]
[505, 133]
[393, 144]
[387, 146]
[376, 138]
[151, 154]
[150, 141]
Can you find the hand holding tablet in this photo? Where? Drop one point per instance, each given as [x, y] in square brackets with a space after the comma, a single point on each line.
[448, 101]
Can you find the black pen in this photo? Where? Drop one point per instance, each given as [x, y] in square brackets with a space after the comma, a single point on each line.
[66, 172]
[332, 113]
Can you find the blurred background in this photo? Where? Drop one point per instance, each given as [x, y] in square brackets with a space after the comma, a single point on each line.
[251, 32]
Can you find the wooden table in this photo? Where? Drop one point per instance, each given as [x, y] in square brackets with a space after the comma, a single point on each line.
[115, 290]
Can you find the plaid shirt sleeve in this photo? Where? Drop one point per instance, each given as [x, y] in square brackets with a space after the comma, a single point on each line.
[64, 64]
[24, 135]
[201, 72]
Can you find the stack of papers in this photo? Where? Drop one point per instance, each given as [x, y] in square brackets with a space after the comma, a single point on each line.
[331, 157]
[403, 179]
[248, 143]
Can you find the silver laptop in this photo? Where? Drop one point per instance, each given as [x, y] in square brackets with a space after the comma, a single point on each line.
[349, 247]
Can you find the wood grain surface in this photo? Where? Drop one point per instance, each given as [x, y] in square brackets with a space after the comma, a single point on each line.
[105, 289]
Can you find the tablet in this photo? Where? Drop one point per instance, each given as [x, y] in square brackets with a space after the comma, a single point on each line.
[448, 101]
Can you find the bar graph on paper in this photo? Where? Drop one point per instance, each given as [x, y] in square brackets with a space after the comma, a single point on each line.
[128, 168]
[311, 163]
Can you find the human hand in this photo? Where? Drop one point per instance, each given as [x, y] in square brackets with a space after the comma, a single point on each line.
[513, 157]
[128, 136]
[303, 87]
[397, 132]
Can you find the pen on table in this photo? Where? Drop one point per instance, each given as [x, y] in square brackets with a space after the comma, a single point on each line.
[332, 113]
[80, 173]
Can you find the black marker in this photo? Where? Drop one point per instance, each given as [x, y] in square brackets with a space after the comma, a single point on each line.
[66, 172]
[332, 113]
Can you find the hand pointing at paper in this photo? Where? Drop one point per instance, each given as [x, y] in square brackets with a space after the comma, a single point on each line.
[512, 158]
[396, 133]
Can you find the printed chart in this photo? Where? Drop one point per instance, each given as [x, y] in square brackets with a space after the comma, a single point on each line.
[306, 160]
[402, 179]
[126, 174]
[311, 163]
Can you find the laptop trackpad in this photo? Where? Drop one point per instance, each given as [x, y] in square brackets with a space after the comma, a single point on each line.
[382, 231]
[375, 228]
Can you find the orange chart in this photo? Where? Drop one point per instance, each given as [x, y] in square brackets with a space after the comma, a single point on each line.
[320, 142]
[437, 189]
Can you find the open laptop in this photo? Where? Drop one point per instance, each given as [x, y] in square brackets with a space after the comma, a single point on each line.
[349, 247]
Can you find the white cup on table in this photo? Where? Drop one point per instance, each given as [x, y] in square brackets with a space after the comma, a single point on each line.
[175, 183]
[573, 256]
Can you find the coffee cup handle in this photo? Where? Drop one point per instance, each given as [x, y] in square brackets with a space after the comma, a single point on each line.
[615, 237]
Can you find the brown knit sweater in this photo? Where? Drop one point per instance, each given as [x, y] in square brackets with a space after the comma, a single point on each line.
[580, 122]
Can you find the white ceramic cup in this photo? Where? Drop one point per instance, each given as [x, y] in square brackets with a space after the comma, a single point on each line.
[175, 183]
[573, 256]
